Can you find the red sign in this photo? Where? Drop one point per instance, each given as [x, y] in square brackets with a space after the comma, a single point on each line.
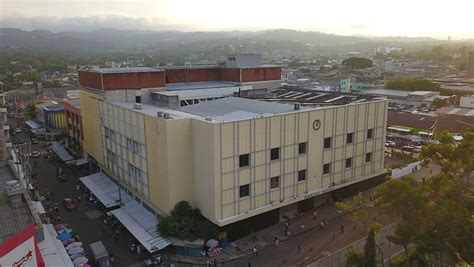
[21, 250]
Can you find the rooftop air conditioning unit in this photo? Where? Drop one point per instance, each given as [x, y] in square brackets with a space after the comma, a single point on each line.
[166, 115]
[160, 114]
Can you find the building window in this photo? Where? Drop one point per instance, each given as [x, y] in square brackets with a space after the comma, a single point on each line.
[302, 147]
[326, 168]
[244, 190]
[368, 157]
[350, 136]
[244, 160]
[274, 182]
[301, 175]
[348, 162]
[129, 144]
[136, 147]
[275, 153]
[327, 142]
[370, 133]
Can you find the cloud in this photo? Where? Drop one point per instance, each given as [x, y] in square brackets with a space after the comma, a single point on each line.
[88, 23]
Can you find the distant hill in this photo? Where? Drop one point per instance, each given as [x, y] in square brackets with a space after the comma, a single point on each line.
[113, 40]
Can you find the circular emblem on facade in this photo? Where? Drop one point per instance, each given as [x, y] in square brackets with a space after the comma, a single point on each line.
[316, 125]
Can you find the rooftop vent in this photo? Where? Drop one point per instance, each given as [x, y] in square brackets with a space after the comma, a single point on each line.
[166, 115]
[137, 106]
[208, 119]
[160, 114]
[297, 106]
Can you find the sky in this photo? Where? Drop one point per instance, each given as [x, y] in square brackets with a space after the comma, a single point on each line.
[433, 18]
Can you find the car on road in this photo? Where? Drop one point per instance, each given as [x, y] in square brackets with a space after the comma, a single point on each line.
[390, 143]
[35, 154]
[18, 130]
[69, 204]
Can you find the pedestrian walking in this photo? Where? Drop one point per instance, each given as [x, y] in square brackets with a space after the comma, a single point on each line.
[315, 214]
[139, 252]
[58, 218]
[78, 186]
[342, 228]
[254, 250]
[277, 241]
[300, 247]
[322, 224]
[111, 257]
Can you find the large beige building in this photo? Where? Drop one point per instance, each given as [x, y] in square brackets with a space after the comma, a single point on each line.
[233, 158]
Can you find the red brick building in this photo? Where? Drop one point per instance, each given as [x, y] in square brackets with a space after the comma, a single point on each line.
[74, 125]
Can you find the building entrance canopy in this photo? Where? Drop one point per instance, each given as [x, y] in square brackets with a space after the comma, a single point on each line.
[61, 152]
[140, 222]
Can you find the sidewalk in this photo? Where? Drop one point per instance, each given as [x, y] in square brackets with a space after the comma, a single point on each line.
[305, 232]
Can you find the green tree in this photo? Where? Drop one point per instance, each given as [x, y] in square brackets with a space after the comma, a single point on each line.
[186, 223]
[412, 84]
[438, 102]
[30, 111]
[370, 250]
[354, 257]
[357, 62]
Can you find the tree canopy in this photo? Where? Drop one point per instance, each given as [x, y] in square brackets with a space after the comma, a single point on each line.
[412, 84]
[357, 62]
[186, 223]
[435, 215]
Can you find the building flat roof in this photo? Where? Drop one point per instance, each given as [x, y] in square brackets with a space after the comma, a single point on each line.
[152, 110]
[421, 93]
[235, 108]
[75, 102]
[122, 70]
[13, 218]
[387, 92]
[198, 85]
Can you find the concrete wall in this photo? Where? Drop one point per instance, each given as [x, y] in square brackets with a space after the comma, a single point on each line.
[91, 124]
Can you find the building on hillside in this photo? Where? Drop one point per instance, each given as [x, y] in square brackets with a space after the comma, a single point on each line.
[240, 161]
[51, 115]
[5, 144]
[75, 138]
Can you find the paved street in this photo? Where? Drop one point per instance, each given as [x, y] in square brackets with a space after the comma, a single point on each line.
[86, 222]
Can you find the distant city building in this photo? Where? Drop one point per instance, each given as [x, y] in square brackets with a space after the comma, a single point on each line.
[51, 115]
[349, 85]
[244, 60]
[470, 65]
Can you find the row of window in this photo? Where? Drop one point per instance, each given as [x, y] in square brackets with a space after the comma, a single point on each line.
[244, 159]
[349, 138]
[133, 146]
[244, 190]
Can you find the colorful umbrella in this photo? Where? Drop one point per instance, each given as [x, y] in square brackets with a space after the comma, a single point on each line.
[75, 251]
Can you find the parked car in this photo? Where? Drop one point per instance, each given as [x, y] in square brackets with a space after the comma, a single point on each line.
[69, 204]
[390, 143]
[34, 141]
[35, 154]
[18, 130]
